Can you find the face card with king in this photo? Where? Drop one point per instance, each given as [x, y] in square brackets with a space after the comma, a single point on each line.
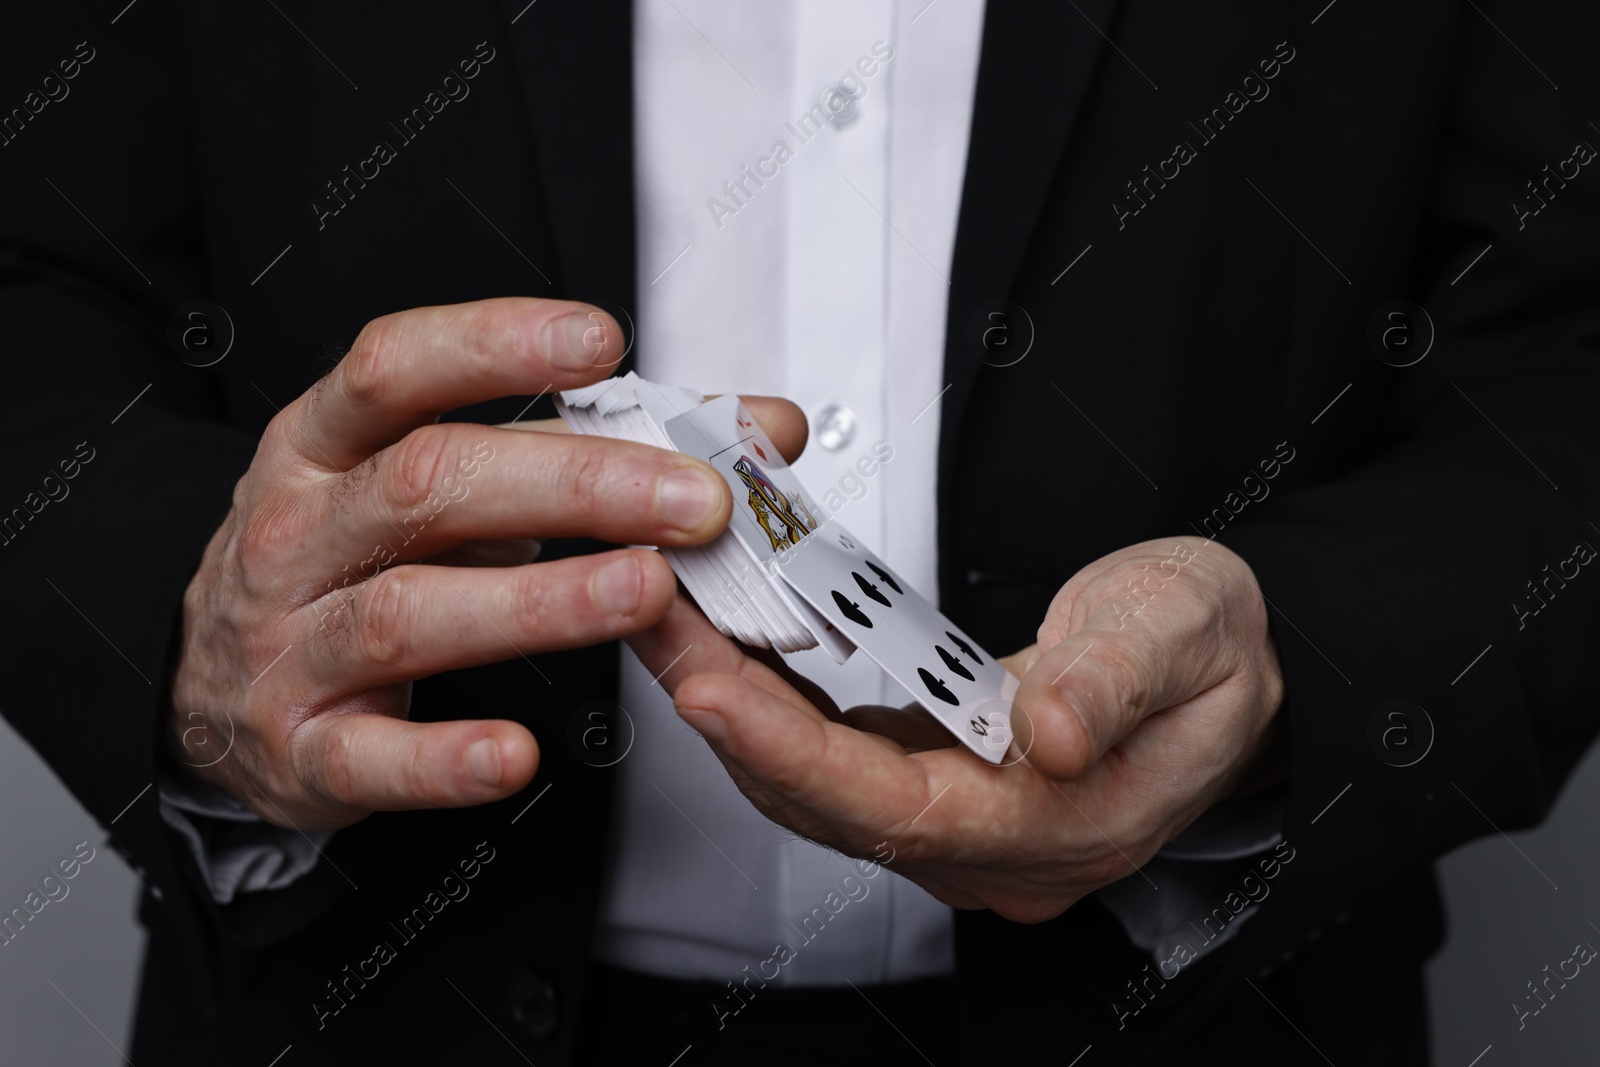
[770, 511]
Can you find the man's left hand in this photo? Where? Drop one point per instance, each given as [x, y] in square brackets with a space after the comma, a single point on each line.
[1150, 696]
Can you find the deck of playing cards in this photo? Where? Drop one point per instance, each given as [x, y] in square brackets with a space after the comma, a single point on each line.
[784, 577]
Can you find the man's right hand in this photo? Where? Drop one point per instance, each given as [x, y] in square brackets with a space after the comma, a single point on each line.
[327, 589]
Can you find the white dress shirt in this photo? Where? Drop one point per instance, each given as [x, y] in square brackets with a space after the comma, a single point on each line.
[819, 272]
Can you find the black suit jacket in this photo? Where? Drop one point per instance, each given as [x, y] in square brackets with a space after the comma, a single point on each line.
[1202, 227]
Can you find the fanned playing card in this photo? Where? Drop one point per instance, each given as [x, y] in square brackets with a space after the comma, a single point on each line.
[949, 674]
[785, 576]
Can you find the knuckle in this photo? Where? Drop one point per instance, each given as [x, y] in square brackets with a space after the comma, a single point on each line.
[242, 492]
[350, 485]
[264, 535]
[532, 603]
[277, 439]
[386, 607]
[416, 781]
[415, 467]
[1051, 633]
[331, 777]
[582, 474]
[365, 370]
[501, 328]
[1058, 617]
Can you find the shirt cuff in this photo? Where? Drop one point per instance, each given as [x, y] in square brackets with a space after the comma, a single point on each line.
[1205, 884]
[235, 850]
[1233, 829]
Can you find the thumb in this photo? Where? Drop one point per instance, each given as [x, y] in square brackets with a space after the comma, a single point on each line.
[1086, 693]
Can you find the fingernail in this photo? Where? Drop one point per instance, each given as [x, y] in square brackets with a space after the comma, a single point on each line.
[708, 724]
[483, 760]
[568, 343]
[616, 587]
[686, 498]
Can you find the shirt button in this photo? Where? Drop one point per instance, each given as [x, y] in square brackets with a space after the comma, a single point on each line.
[841, 105]
[836, 427]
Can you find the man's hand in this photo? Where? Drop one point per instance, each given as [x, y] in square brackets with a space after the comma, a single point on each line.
[1149, 697]
[327, 589]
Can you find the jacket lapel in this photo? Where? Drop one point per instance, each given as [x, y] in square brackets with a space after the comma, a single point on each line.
[1033, 69]
[574, 63]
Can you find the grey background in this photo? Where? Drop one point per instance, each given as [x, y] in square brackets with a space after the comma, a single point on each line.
[67, 983]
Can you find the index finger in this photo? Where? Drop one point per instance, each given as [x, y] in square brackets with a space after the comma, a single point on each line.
[819, 777]
[408, 368]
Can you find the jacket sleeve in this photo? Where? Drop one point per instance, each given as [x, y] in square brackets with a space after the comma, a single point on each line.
[1435, 604]
[117, 460]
